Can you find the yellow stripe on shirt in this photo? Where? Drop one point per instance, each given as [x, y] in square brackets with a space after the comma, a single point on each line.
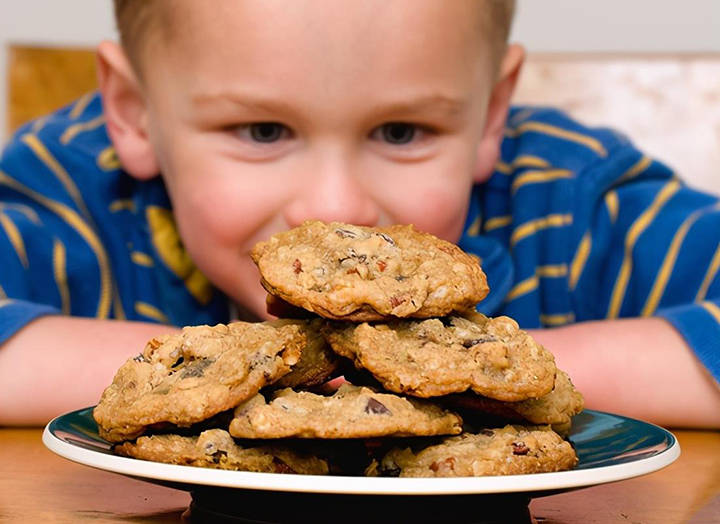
[580, 259]
[709, 276]
[552, 271]
[533, 226]
[108, 159]
[638, 227]
[497, 222]
[547, 129]
[58, 170]
[530, 284]
[613, 205]
[29, 212]
[521, 161]
[15, 237]
[557, 320]
[503, 167]
[536, 177]
[117, 305]
[150, 311]
[75, 129]
[59, 269]
[80, 226]
[640, 166]
[522, 288]
[474, 229]
[168, 245]
[124, 204]
[142, 259]
[2, 293]
[711, 308]
[668, 264]
[80, 105]
[39, 124]
[103, 260]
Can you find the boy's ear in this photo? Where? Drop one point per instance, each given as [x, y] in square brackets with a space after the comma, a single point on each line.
[498, 107]
[125, 112]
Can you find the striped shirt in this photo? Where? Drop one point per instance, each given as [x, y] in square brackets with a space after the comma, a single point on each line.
[575, 224]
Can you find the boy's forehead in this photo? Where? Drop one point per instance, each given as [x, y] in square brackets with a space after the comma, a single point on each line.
[326, 16]
[328, 38]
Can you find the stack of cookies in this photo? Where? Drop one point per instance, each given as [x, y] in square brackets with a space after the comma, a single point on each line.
[435, 389]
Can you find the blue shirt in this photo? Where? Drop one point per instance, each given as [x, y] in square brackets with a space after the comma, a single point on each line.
[575, 224]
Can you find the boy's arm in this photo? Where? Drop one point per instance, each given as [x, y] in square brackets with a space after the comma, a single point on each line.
[646, 259]
[639, 367]
[58, 363]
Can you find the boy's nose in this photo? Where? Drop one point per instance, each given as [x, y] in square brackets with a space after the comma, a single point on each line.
[332, 191]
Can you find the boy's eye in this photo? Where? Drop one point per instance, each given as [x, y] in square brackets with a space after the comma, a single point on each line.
[260, 132]
[267, 132]
[396, 133]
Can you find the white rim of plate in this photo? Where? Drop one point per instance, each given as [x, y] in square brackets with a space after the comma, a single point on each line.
[360, 485]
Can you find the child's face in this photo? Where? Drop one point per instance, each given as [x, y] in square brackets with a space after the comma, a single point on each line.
[266, 113]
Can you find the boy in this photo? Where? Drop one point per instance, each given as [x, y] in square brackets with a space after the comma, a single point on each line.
[260, 114]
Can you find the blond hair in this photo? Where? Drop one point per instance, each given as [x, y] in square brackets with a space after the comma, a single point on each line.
[137, 19]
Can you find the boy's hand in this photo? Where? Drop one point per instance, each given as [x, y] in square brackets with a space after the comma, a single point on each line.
[638, 367]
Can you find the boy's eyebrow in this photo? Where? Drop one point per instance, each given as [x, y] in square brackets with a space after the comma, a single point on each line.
[245, 99]
[450, 105]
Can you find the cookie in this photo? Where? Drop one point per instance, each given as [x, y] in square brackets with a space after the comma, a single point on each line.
[512, 450]
[352, 412]
[317, 364]
[434, 357]
[187, 377]
[355, 273]
[216, 449]
[556, 408]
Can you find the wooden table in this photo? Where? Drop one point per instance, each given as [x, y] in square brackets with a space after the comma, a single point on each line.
[38, 486]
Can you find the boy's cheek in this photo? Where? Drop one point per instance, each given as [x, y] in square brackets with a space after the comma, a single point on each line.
[439, 208]
[223, 211]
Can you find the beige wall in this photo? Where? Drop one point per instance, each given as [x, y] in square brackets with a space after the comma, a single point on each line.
[635, 26]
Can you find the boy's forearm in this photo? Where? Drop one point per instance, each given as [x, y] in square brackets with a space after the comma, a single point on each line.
[638, 367]
[57, 363]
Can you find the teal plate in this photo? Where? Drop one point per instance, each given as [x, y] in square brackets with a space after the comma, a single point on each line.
[609, 447]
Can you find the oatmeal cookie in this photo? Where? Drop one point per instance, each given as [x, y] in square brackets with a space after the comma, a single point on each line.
[556, 408]
[352, 412]
[216, 449]
[187, 377]
[347, 272]
[512, 450]
[428, 358]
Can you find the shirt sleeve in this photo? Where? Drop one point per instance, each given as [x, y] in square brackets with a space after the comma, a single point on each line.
[26, 251]
[47, 266]
[650, 247]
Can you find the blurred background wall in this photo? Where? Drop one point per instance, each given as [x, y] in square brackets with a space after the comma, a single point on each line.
[650, 68]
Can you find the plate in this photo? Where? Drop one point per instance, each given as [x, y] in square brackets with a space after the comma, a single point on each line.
[609, 447]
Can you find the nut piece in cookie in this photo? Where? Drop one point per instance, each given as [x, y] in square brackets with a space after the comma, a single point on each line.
[434, 357]
[352, 412]
[317, 364]
[187, 377]
[216, 449]
[512, 450]
[347, 272]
